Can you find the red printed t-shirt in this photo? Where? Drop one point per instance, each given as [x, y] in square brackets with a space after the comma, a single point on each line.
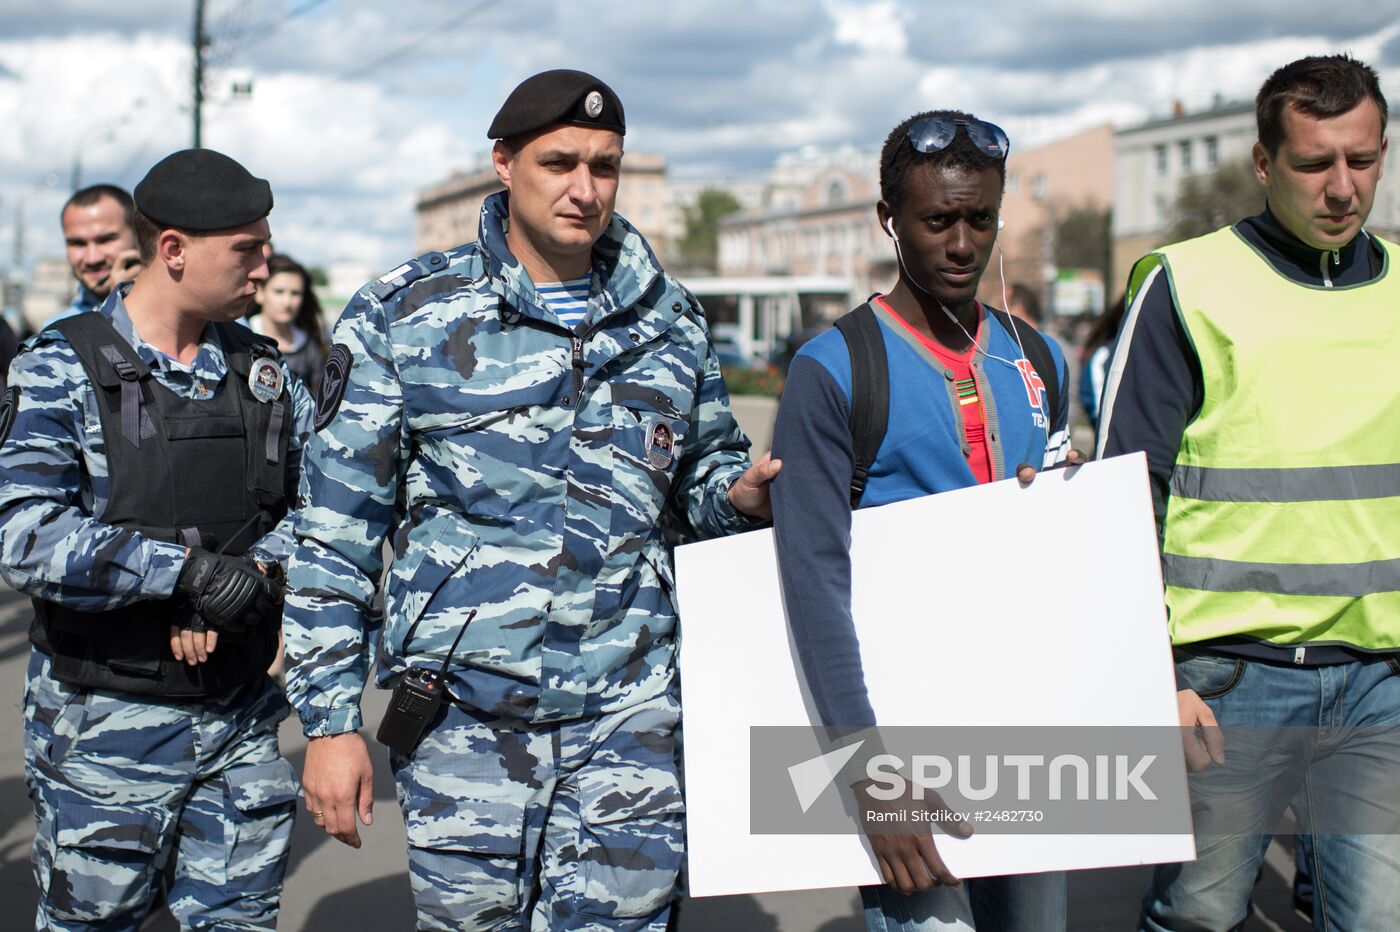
[979, 458]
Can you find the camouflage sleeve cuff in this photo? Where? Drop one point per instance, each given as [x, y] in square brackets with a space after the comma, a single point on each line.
[730, 518]
[320, 723]
[259, 555]
[163, 565]
[276, 545]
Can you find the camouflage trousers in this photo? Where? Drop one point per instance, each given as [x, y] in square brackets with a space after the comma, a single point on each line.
[128, 791]
[576, 825]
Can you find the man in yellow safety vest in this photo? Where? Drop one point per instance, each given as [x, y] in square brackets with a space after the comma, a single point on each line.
[1256, 367]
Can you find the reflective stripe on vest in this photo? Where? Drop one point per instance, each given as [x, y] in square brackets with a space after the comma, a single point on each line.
[1283, 522]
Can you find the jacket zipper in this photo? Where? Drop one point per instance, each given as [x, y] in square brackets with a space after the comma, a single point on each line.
[578, 365]
[1336, 255]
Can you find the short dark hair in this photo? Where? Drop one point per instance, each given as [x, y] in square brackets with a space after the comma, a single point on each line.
[147, 232]
[898, 157]
[1320, 86]
[86, 197]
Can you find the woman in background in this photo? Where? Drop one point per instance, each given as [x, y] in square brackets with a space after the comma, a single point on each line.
[289, 313]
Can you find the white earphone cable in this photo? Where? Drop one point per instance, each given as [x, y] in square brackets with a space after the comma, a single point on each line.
[1015, 331]
[899, 254]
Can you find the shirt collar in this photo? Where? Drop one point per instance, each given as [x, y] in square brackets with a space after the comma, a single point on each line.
[208, 364]
[1283, 240]
[299, 337]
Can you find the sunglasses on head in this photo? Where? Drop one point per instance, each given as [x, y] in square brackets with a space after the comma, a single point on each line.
[935, 133]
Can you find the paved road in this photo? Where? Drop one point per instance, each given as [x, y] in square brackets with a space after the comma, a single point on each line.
[332, 888]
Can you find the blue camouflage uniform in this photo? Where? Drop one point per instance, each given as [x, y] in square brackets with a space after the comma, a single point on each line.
[123, 784]
[524, 470]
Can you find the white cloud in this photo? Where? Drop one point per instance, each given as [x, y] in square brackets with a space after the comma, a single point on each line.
[876, 27]
[1038, 105]
[721, 85]
[344, 159]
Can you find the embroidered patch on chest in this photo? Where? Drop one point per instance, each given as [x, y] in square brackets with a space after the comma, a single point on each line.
[661, 443]
[1035, 386]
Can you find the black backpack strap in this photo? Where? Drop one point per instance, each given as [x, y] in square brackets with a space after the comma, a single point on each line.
[111, 363]
[1037, 347]
[870, 391]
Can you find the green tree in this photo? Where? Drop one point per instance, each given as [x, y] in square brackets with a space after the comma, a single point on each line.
[1206, 203]
[699, 247]
[1083, 240]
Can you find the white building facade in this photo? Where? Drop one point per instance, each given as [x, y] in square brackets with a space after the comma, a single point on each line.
[1154, 159]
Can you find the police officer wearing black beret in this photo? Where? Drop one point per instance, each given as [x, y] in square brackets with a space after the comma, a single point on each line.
[150, 450]
[527, 411]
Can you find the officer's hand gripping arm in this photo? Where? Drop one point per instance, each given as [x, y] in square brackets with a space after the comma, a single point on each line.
[228, 593]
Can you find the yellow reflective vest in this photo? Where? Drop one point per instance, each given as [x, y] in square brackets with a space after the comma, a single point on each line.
[1283, 521]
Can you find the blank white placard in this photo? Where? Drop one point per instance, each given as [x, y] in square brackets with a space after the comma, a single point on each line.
[997, 605]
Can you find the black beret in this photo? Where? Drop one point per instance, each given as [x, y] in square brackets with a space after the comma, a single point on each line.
[202, 190]
[560, 96]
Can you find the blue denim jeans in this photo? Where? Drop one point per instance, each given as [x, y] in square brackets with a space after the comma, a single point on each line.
[1017, 903]
[1325, 735]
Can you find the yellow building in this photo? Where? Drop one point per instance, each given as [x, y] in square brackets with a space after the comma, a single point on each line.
[1042, 186]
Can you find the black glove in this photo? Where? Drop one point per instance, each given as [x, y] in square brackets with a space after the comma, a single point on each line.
[227, 593]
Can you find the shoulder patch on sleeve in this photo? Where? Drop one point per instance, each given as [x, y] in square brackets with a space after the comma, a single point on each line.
[412, 270]
[45, 337]
[334, 378]
[9, 404]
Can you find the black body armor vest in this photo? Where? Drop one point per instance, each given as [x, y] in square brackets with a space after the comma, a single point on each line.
[203, 473]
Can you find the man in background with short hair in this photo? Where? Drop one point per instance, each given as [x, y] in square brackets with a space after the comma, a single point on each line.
[99, 234]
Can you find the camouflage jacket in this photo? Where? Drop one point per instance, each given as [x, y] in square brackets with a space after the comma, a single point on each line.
[53, 475]
[522, 470]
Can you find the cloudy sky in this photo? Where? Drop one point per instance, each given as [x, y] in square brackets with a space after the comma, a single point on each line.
[356, 104]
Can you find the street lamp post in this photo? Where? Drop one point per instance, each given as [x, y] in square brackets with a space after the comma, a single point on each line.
[199, 40]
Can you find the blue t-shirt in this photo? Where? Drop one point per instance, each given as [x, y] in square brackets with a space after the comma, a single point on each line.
[922, 453]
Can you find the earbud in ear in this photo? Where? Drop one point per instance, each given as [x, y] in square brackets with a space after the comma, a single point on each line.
[1000, 223]
[889, 228]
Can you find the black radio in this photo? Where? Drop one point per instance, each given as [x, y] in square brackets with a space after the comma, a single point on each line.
[416, 700]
